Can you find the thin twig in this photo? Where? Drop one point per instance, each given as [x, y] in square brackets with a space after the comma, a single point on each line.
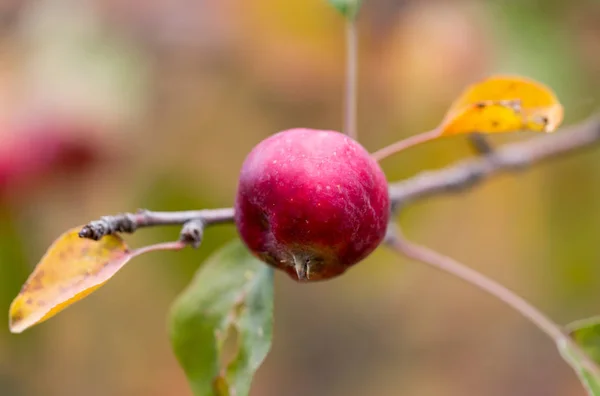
[351, 96]
[192, 232]
[402, 145]
[129, 222]
[469, 275]
[480, 143]
[510, 158]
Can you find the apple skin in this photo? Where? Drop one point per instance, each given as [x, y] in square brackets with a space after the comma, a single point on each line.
[311, 202]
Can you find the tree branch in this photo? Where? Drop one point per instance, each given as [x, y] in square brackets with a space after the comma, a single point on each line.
[510, 158]
[455, 178]
[194, 221]
[396, 241]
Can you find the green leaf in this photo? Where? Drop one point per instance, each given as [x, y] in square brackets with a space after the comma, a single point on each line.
[586, 333]
[221, 325]
[348, 8]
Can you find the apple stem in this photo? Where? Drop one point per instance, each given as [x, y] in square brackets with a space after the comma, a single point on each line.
[351, 96]
[469, 275]
[405, 143]
[302, 268]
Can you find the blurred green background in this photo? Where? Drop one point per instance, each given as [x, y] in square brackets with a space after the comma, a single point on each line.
[112, 105]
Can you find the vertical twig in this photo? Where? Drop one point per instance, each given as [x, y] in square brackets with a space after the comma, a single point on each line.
[351, 96]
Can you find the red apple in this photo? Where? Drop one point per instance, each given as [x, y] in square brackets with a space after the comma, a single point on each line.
[311, 203]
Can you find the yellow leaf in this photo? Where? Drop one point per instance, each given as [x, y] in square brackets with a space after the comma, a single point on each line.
[503, 104]
[494, 105]
[71, 269]
[487, 117]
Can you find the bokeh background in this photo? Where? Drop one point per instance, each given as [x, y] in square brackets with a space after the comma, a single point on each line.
[112, 105]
